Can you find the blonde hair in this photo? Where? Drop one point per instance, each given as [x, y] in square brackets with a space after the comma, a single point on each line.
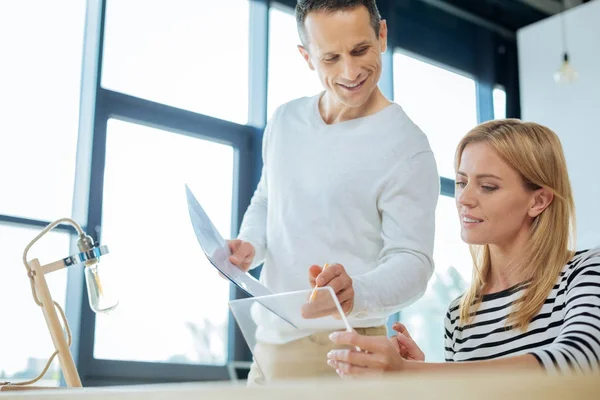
[536, 153]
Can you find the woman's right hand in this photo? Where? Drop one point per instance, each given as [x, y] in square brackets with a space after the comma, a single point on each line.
[405, 345]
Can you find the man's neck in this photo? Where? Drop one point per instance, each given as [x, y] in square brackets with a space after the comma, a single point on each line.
[507, 268]
[334, 112]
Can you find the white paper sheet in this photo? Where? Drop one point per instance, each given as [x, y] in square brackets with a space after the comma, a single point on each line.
[259, 317]
[287, 306]
[217, 251]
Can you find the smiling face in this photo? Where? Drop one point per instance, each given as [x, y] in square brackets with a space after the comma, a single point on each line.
[344, 49]
[494, 204]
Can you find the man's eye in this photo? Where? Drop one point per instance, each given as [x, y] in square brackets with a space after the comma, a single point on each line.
[331, 59]
[360, 51]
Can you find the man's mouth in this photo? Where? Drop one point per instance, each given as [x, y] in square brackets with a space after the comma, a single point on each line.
[355, 86]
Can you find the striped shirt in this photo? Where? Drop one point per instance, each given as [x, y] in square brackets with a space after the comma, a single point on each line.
[564, 337]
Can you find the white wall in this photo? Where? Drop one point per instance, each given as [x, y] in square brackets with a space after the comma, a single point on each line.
[572, 111]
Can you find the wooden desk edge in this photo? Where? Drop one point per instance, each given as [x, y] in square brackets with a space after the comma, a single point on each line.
[475, 386]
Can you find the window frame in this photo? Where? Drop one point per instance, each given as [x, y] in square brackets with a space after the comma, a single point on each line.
[98, 105]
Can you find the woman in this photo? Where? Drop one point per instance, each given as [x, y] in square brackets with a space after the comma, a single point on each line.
[533, 303]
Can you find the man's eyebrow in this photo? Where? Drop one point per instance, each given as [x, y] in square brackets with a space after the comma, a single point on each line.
[479, 176]
[363, 43]
[360, 44]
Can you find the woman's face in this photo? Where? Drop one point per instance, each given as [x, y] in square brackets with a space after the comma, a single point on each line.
[493, 203]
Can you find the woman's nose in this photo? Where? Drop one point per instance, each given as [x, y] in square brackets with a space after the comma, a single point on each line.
[465, 197]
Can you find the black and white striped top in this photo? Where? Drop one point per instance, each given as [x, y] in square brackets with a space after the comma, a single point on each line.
[564, 337]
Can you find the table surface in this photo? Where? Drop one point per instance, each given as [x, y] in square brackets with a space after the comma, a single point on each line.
[500, 386]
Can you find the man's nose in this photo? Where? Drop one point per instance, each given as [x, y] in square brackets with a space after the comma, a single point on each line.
[351, 71]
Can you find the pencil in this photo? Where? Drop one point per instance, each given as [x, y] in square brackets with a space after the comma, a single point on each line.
[314, 292]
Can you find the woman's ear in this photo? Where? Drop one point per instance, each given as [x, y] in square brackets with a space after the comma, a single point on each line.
[541, 199]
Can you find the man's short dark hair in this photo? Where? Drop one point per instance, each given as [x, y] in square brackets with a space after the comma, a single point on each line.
[303, 7]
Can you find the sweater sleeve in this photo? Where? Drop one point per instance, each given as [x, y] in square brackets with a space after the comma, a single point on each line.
[577, 347]
[407, 207]
[254, 223]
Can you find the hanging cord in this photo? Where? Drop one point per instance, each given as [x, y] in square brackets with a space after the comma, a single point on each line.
[30, 274]
[563, 29]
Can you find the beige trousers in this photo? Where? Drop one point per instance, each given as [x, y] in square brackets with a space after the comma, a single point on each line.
[302, 358]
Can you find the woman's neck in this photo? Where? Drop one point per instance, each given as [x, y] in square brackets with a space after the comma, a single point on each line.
[507, 267]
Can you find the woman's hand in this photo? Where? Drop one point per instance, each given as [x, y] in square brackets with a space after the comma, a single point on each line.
[405, 345]
[378, 355]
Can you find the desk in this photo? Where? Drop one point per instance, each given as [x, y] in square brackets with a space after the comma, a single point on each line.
[475, 386]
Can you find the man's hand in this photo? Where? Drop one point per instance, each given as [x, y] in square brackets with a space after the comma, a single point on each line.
[338, 279]
[242, 254]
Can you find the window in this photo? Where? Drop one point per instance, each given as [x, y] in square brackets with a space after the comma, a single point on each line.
[39, 79]
[173, 303]
[289, 75]
[188, 54]
[499, 103]
[20, 359]
[40, 83]
[453, 265]
[443, 104]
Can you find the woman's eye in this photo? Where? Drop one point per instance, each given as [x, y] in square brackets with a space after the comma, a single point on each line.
[461, 184]
[489, 188]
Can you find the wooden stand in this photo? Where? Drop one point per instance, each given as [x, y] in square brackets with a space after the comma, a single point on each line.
[65, 357]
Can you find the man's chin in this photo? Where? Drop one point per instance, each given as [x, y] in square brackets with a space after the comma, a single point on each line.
[357, 99]
[352, 101]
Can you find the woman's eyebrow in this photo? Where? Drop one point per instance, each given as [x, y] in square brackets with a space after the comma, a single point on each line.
[479, 176]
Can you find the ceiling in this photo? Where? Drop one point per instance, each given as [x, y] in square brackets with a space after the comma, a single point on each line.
[502, 16]
[509, 15]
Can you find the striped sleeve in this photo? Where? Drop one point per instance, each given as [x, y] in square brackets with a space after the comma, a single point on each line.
[577, 347]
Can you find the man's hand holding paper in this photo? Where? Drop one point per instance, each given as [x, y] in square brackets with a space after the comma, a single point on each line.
[242, 254]
[338, 279]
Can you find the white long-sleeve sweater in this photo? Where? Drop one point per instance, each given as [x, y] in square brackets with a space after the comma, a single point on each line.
[361, 193]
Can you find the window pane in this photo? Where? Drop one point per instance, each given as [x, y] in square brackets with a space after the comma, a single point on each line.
[173, 304]
[40, 72]
[425, 318]
[289, 75]
[21, 360]
[499, 103]
[441, 102]
[185, 53]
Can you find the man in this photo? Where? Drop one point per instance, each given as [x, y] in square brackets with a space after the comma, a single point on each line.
[348, 179]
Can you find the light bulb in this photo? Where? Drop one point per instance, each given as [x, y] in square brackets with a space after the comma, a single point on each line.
[101, 294]
[566, 73]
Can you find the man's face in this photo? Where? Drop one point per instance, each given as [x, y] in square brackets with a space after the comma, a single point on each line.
[345, 51]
